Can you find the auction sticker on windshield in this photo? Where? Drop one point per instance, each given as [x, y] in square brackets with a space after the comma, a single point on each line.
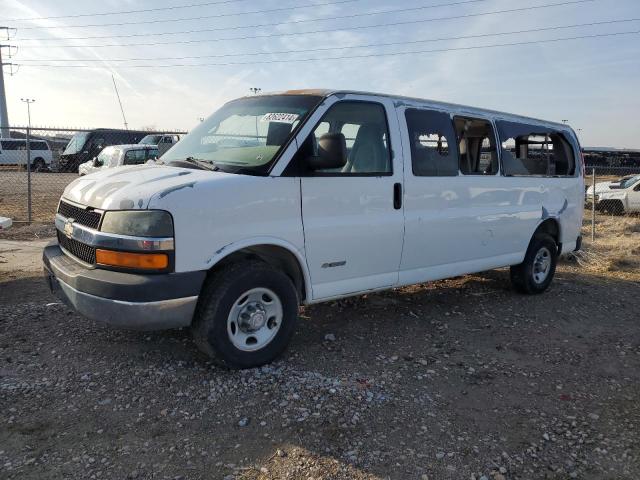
[280, 117]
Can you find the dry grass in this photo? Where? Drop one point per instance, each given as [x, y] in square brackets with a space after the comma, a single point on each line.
[616, 249]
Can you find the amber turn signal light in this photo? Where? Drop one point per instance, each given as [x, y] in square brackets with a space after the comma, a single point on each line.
[143, 261]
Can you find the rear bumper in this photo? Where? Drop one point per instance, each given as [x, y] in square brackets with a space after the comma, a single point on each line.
[123, 300]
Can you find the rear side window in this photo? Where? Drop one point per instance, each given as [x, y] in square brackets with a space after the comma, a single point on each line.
[532, 150]
[477, 150]
[134, 157]
[433, 145]
[13, 145]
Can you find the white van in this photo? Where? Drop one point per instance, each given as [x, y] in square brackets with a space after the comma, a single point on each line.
[163, 141]
[118, 156]
[308, 196]
[13, 151]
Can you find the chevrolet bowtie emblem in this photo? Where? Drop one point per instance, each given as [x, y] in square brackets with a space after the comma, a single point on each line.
[68, 227]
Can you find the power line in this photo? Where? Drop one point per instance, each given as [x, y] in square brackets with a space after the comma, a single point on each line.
[222, 15]
[322, 49]
[349, 57]
[124, 12]
[328, 30]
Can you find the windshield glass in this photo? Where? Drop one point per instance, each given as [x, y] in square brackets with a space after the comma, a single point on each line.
[76, 143]
[629, 182]
[151, 140]
[245, 135]
[107, 155]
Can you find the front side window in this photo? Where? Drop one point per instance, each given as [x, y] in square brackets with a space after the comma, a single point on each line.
[245, 135]
[364, 127]
[433, 148]
[477, 150]
[532, 150]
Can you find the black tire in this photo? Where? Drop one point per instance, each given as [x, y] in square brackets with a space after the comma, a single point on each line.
[613, 207]
[524, 277]
[219, 295]
[39, 165]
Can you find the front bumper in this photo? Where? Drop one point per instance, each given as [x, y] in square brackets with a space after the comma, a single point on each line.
[124, 300]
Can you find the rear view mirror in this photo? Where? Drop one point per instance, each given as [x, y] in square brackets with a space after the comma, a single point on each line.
[332, 152]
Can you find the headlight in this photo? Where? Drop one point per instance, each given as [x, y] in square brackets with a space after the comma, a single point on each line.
[138, 223]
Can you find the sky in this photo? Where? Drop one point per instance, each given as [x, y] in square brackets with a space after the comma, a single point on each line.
[594, 83]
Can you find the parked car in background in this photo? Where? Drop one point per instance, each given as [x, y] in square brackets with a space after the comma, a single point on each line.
[618, 197]
[163, 141]
[13, 151]
[311, 196]
[84, 146]
[118, 156]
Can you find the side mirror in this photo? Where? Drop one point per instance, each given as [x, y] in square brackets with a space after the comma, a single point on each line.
[332, 152]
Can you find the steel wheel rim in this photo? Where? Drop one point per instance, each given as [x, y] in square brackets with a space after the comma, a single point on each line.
[541, 265]
[255, 319]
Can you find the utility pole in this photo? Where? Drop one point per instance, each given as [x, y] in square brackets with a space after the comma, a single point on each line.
[28, 101]
[4, 116]
[126, 125]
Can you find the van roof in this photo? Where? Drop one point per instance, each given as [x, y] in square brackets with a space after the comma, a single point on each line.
[414, 101]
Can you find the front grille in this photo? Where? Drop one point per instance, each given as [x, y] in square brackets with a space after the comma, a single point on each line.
[88, 218]
[78, 249]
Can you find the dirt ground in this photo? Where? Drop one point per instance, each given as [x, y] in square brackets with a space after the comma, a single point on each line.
[46, 191]
[455, 379]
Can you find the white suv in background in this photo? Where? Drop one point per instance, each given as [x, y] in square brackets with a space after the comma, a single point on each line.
[13, 151]
[308, 196]
[118, 156]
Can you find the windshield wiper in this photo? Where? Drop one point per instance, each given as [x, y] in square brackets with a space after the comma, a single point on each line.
[206, 164]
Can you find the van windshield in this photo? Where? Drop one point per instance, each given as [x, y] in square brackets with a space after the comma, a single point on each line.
[151, 140]
[76, 143]
[245, 135]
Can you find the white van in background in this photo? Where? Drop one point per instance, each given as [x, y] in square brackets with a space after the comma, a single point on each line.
[163, 141]
[118, 156]
[13, 151]
[310, 196]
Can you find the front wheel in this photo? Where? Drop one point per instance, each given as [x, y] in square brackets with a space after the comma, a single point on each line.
[535, 274]
[246, 315]
[39, 165]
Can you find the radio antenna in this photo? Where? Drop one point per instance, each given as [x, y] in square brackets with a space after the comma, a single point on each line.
[124, 119]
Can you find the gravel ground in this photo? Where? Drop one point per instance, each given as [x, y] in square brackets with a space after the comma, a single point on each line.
[456, 379]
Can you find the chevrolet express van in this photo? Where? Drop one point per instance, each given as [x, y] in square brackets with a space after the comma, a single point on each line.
[308, 196]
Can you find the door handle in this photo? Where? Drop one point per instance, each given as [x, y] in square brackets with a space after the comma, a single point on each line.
[397, 196]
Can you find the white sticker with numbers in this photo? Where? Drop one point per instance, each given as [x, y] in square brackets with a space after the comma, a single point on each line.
[280, 117]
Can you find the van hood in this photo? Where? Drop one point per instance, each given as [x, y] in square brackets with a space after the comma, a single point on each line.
[132, 187]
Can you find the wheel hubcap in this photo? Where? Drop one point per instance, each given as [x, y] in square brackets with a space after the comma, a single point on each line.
[542, 265]
[254, 319]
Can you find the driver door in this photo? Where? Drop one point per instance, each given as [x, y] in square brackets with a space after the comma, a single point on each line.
[352, 216]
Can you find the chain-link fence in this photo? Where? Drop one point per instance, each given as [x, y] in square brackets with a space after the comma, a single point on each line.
[612, 196]
[36, 164]
[30, 190]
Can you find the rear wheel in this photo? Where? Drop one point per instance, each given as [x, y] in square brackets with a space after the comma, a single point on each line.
[535, 274]
[613, 207]
[246, 315]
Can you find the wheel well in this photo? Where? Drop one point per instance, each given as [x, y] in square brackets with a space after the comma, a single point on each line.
[550, 227]
[278, 257]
